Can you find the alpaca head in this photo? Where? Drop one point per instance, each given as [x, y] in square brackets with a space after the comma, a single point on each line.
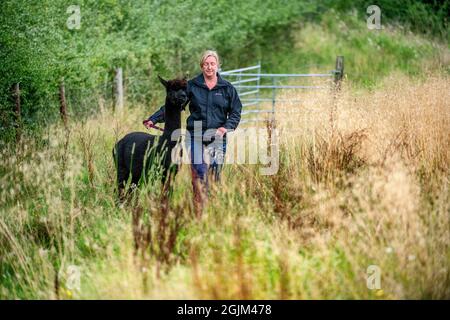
[176, 92]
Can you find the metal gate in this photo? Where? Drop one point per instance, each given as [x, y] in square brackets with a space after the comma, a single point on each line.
[256, 88]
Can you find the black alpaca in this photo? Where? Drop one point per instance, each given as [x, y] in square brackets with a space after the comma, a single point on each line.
[132, 150]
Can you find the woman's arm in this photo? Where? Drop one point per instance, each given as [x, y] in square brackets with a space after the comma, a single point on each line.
[158, 116]
[235, 114]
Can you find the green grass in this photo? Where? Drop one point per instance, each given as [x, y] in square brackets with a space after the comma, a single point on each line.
[370, 55]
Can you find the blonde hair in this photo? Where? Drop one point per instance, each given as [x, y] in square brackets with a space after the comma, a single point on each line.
[209, 53]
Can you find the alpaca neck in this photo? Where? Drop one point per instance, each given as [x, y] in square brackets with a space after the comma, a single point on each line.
[172, 119]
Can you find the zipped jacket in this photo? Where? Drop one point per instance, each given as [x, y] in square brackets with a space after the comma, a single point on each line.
[215, 108]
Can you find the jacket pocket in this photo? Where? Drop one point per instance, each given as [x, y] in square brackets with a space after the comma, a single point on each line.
[220, 100]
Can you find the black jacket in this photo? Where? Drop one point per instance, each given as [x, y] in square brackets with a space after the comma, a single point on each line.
[215, 108]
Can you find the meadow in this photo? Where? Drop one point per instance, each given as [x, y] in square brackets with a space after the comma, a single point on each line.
[362, 180]
[363, 173]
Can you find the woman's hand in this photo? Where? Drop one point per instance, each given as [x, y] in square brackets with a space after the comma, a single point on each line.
[148, 124]
[221, 131]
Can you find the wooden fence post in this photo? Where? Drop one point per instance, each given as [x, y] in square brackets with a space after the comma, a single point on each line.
[17, 110]
[339, 72]
[338, 76]
[63, 103]
[118, 90]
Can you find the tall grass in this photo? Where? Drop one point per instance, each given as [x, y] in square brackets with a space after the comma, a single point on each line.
[363, 180]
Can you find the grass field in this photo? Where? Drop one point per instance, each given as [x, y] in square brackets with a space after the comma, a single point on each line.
[363, 180]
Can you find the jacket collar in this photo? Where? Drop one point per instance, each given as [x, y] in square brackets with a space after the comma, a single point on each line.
[200, 81]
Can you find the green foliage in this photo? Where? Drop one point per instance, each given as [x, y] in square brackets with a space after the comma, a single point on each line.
[145, 38]
[369, 55]
[142, 37]
[424, 16]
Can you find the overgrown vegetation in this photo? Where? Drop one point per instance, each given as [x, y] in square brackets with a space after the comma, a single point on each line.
[365, 185]
[362, 179]
[143, 37]
[37, 49]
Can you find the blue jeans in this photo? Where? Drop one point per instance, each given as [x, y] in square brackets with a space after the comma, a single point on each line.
[207, 158]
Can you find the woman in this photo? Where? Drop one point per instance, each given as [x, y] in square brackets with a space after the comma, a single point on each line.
[215, 108]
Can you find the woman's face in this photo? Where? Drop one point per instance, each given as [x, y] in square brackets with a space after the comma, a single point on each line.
[209, 66]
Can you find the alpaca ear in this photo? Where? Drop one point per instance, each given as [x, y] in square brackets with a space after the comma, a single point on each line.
[164, 82]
